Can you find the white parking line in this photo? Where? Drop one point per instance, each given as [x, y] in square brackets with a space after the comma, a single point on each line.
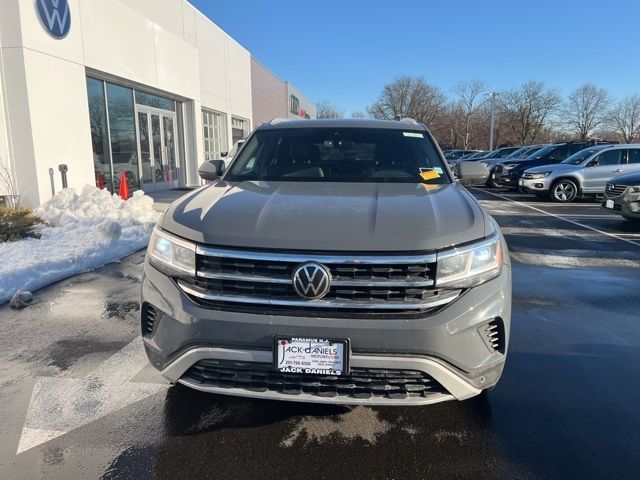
[637, 244]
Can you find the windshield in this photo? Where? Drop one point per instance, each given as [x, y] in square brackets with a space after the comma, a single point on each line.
[339, 155]
[542, 152]
[524, 152]
[579, 157]
[519, 153]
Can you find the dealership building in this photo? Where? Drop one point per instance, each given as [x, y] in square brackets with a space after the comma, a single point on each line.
[139, 89]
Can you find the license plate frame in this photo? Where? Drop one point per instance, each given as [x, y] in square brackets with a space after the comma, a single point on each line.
[310, 363]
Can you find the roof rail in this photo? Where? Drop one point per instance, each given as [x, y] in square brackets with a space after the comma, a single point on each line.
[409, 120]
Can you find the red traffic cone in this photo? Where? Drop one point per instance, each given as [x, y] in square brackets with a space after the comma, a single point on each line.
[124, 188]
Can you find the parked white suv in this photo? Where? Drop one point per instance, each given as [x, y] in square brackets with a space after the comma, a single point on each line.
[583, 173]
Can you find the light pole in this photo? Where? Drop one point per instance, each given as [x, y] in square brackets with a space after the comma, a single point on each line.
[493, 117]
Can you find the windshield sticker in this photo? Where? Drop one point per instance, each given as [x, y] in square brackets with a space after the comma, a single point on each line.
[413, 134]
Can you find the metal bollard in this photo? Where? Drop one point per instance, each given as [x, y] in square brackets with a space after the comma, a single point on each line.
[53, 185]
[63, 170]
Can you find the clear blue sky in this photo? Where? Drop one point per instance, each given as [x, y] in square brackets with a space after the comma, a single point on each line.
[345, 51]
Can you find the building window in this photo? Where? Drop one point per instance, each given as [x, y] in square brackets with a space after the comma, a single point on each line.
[214, 134]
[99, 134]
[133, 132]
[239, 129]
[151, 100]
[294, 104]
[122, 130]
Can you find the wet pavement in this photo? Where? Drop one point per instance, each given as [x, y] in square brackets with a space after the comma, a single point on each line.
[77, 399]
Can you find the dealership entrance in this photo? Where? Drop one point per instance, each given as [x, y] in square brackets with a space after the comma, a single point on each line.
[157, 148]
[135, 135]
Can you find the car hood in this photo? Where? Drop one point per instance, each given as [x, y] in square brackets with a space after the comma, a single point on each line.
[556, 167]
[629, 179]
[328, 216]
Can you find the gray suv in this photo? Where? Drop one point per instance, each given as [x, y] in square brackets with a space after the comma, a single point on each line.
[334, 261]
[583, 173]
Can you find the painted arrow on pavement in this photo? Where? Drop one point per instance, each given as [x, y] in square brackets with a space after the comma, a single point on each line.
[60, 405]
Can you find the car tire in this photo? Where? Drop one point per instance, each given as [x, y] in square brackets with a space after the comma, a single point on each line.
[564, 191]
[492, 183]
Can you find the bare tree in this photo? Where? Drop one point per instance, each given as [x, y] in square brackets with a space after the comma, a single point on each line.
[326, 109]
[467, 106]
[9, 185]
[358, 114]
[624, 119]
[408, 96]
[526, 110]
[585, 110]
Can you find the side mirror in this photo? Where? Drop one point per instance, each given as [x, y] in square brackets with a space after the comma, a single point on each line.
[472, 173]
[211, 169]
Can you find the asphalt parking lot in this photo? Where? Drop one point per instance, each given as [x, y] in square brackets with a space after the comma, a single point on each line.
[77, 398]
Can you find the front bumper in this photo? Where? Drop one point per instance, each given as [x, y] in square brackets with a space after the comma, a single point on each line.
[505, 178]
[447, 345]
[535, 184]
[627, 205]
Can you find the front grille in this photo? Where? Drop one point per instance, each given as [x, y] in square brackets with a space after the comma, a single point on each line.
[360, 383]
[371, 282]
[613, 191]
[148, 317]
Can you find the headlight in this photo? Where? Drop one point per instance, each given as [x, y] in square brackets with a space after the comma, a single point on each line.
[171, 254]
[471, 265]
[486, 164]
[509, 166]
[538, 175]
[635, 189]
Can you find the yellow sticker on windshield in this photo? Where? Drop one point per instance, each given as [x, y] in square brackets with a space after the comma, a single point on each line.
[428, 174]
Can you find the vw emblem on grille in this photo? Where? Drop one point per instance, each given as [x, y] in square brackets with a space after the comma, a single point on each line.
[311, 280]
[610, 187]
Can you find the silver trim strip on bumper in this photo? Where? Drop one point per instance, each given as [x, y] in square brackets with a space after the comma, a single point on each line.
[456, 386]
[442, 299]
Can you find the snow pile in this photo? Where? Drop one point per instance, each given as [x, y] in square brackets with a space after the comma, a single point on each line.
[89, 230]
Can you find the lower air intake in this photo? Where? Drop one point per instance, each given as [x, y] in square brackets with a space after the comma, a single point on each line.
[148, 319]
[361, 383]
[494, 333]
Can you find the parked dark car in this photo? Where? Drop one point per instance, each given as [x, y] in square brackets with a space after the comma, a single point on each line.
[490, 163]
[455, 154]
[507, 172]
[497, 154]
[474, 156]
[622, 196]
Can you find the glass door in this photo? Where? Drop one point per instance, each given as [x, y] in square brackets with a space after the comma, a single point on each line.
[157, 148]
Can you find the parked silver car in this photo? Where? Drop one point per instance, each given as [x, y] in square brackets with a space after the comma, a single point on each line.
[583, 173]
[334, 261]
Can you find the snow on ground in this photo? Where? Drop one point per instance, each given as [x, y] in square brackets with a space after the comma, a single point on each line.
[90, 230]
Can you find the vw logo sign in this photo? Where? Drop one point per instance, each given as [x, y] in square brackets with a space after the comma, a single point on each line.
[610, 187]
[311, 280]
[54, 16]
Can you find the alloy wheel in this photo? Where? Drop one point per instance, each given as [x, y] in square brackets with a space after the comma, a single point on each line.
[565, 191]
